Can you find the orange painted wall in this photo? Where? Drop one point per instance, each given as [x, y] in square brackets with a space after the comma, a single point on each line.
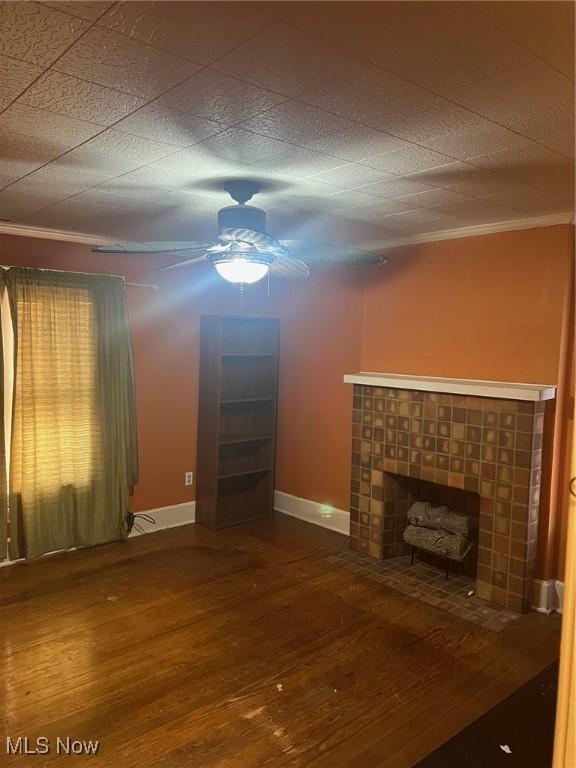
[320, 332]
[483, 307]
[489, 307]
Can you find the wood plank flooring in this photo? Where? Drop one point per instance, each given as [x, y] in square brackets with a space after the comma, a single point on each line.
[242, 648]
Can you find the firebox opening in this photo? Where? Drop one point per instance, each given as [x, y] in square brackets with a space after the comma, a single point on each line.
[402, 492]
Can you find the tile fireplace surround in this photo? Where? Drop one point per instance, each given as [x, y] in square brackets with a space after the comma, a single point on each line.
[403, 432]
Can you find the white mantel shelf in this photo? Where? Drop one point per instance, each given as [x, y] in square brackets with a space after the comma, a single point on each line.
[497, 389]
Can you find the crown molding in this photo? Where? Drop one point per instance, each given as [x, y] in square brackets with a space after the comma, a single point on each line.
[533, 222]
[550, 220]
[21, 230]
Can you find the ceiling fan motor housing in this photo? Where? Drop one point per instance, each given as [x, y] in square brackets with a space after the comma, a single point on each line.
[242, 217]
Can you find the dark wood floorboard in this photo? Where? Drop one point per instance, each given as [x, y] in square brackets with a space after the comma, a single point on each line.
[242, 648]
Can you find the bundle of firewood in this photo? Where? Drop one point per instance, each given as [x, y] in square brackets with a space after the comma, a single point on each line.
[439, 530]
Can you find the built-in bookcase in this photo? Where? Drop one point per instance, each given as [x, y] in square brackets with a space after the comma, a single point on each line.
[236, 419]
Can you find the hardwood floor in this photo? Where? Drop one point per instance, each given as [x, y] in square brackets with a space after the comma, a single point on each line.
[242, 647]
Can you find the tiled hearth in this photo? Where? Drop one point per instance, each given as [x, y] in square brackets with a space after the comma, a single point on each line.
[429, 585]
[490, 448]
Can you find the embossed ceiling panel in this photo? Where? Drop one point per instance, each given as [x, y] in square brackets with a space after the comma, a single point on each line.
[37, 34]
[67, 95]
[364, 121]
[199, 31]
[545, 29]
[15, 76]
[219, 97]
[110, 59]
[84, 9]
[169, 126]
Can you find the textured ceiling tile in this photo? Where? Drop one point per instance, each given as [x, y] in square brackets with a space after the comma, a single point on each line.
[480, 184]
[59, 180]
[283, 59]
[546, 28]
[428, 119]
[460, 57]
[200, 31]
[67, 95]
[295, 63]
[35, 122]
[482, 209]
[351, 175]
[409, 160]
[295, 122]
[358, 143]
[532, 165]
[346, 199]
[362, 92]
[298, 161]
[564, 144]
[242, 146]
[216, 96]
[448, 175]
[16, 205]
[534, 100]
[84, 9]
[376, 210]
[481, 139]
[119, 198]
[21, 154]
[114, 153]
[192, 163]
[192, 199]
[106, 58]
[533, 201]
[136, 186]
[394, 188]
[15, 76]
[153, 178]
[168, 125]
[133, 182]
[36, 34]
[76, 216]
[363, 29]
[436, 198]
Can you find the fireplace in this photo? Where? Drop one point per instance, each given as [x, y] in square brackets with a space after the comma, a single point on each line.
[470, 451]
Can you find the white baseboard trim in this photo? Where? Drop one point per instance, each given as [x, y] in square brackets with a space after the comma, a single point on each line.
[166, 517]
[559, 596]
[543, 595]
[547, 595]
[313, 512]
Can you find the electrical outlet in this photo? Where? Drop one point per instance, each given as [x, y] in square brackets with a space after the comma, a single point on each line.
[188, 478]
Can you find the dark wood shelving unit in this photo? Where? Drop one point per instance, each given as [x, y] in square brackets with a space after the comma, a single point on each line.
[236, 419]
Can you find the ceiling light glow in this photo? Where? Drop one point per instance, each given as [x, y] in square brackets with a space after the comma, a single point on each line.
[241, 270]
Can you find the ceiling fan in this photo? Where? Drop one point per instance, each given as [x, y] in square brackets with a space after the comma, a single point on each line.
[243, 252]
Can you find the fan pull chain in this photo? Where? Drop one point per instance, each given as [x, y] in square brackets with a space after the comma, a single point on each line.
[268, 284]
[241, 298]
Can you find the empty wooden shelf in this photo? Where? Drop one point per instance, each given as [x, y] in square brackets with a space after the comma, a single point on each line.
[236, 419]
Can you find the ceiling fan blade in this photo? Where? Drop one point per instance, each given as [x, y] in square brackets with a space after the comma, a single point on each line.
[287, 267]
[160, 247]
[259, 240]
[331, 254]
[183, 262]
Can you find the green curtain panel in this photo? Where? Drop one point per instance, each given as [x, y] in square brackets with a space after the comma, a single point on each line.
[73, 450]
[3, 487]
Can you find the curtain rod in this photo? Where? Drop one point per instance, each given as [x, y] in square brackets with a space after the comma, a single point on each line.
[152, 286]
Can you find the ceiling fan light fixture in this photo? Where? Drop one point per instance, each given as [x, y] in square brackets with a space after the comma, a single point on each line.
[241, 270]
